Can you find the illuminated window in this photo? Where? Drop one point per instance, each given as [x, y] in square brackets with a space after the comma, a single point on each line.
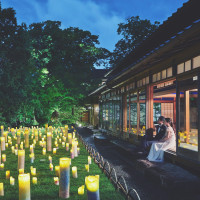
[164, 74]
[187, 65]
[169, 72]
[180, 68]
[154, 77]
[158, 76]
[196, 62]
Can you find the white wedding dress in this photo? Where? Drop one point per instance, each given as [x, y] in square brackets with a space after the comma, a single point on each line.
[156, 153]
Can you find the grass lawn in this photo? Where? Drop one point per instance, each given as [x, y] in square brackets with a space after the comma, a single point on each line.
[45, 188]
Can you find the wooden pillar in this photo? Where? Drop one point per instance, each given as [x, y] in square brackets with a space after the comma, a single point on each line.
[138, 112]
[124, 112]
[198, 110]
[177, 114]
[187, 115]
[174, 111]
[149, 106]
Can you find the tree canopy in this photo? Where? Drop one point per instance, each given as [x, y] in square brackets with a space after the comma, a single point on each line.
[133, 32]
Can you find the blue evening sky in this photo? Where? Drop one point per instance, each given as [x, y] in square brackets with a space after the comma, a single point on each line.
[101, 17]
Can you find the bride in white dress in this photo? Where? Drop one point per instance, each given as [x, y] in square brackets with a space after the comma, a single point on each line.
[156, 153]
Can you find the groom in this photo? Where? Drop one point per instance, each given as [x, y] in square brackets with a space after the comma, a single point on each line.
[160, 133]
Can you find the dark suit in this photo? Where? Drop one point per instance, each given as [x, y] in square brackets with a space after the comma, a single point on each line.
[160, 132]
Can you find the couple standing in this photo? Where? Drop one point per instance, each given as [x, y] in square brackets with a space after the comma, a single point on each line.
[164, 140]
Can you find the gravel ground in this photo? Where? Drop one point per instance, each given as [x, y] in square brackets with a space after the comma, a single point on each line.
[124, 165]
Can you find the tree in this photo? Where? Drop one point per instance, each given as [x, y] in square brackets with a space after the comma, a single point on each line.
[133, 32]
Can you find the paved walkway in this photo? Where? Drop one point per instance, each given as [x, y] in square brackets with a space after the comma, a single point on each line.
[153, 181]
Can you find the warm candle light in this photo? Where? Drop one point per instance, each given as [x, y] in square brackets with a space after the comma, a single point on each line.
[6, 145]
[34, 180]
[87, 167]
[89, 160]
[49, 141]
[21, 159]
[44, 151]
[64, 177]
[13, 149]
[67, 146]
[21, 171]
[31, 149]
[51, 166]
[24, 187]
[50, 159]
[74, 147]
[56, 180]
[1, 189]
[70, 138]
[12, 181]
[7, 174]
[57, 170]
[3, 157]
[18, 137]
[3, 147]
[54, 150]
[16, 152]
[74, 172]
[81, 190]
[92, 185]
[2, 166]
[26, 135]
[33, 171]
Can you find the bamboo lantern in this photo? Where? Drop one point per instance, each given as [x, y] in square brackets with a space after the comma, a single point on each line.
[81, 190]
[89, 160]
[26, 135]
[74, 172]
[66, 130]
[72, 154]
[36, 135]
[12, 181]
[87, 168]
[3, 145]
[1, 189]
[3, 157]
[34, 180]
[32, 156]
[18, 137]
[5, 134]
[56, 180]
[57, 170]
[49, 141]
[24, 187]
[70, 138]
[7, 174]
[64, 177]
[2, 130]
[67, 146]
[21, 159]
[74, 147]
[92, 185]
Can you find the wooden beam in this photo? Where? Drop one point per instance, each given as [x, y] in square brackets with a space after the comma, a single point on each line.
[187, 114]
[149, 106]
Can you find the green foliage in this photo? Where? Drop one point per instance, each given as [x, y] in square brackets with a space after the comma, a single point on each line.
[45, 72]
[133, 32]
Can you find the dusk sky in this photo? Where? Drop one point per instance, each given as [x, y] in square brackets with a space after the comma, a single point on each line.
[101, 17]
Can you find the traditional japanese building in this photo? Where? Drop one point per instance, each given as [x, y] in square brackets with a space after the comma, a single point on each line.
[160, 77]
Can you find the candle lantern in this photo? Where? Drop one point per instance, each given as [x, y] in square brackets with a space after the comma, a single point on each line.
[3, 146]
[34, 180]
[66, 130]
[21, 159]
[74, 147]
[21, 171]
[87, 168]
[54, 150]
[92, 185]
[1, 166]
[24, 187]
[50, 159]
[12, 181]
[51, 166]
[32, 157]
[3, 157]
[72, 154]
[74, 172]
[64, 177]
[67, 146]
[26, 135]
[18, 137]
[44, 151]
[31, 148]
[33, 171]
[56, 180]
[70, 138]
[81, 190]
[13, 149]
[1, 189]
[57, 170]
[89, 160]
[7, 174]
[49, 141]
[2, 130]
[5, 134]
